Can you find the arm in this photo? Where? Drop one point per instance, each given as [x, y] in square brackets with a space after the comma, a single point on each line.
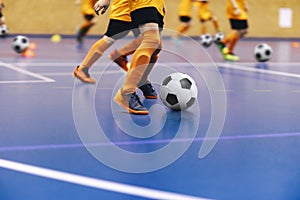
[246, 6]
[237, 10]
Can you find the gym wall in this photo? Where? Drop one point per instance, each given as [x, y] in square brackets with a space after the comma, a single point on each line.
[64, 17]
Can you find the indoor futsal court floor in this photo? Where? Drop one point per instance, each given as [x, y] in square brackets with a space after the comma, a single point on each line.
[239, 141]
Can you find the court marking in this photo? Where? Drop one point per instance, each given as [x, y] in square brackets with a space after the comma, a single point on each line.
[235, 66]
[263, 71]
[94, 183]
[70, 73]
[43, 79]
[73, 64]
[143, 142]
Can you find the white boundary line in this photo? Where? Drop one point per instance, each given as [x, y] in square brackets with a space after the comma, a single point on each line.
[95, 183]
[239, 66]
[73, 64]
[22, 71]
[264, 71]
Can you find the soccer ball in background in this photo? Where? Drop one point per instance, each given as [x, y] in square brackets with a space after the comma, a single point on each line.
[262, 52]
[178, 91]
[206, 40]
[3, 30]
[218, 37]
[20, 43]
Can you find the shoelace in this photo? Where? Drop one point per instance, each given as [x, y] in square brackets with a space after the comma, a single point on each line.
[136, 100]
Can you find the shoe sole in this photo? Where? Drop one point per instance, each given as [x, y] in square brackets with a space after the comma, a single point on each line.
[151, 97]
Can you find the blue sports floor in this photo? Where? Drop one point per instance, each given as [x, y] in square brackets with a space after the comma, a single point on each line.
[62, 139]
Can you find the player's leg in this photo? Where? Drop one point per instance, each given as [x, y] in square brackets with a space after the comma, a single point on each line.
[120, 56]
[239, 31]
[185, 24]
[116, 30]
[203, 26]
[216, 25]
[184, 13]
[2, 19]
[151, 41]
[85, 27]
[145, 85]
[95, 52]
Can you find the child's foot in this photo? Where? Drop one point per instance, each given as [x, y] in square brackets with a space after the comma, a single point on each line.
[83, 75]
[231, 57]
[131, 102]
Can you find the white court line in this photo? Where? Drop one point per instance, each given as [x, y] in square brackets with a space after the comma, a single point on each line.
[220, 64]
[263, 71]
[22, 71]
[95, 183]
[73, 64]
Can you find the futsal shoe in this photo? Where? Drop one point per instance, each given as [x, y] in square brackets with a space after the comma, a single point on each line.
[131, 102]
[231, 57]
[119, 59]
[83, 75]
[148, 91]
[222, 47]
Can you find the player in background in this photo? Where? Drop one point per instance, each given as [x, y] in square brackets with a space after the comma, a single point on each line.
[203, 12]
[148, 16]
[2, 19]
[87, 10]
[236, 12]
[205, 15]
[118, 27]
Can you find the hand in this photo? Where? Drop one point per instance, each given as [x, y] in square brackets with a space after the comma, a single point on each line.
[101, 5]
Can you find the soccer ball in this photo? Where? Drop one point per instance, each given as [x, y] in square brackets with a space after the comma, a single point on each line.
[206, 40]
[263, 52]
[218, 37]
[20, 43]
[178, 91]
[3, 31]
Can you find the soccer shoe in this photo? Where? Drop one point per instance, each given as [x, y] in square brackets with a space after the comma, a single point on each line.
[222, 48]
[231, 57]
[148, 91]
[225, 51]
[119, 59]
[83, 75]
[131, 103]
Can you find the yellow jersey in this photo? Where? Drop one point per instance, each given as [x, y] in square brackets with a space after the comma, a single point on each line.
[184, 8]
[119, 10]
[203, 11]
[230, 9]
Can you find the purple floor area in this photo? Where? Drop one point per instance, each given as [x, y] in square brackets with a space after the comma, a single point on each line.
[62, 139]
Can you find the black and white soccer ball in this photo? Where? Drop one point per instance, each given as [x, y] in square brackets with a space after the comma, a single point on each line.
[262, 52]
[178, 91]
[3, 30]
[218, 37]
[206, 40]
[20, 43]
